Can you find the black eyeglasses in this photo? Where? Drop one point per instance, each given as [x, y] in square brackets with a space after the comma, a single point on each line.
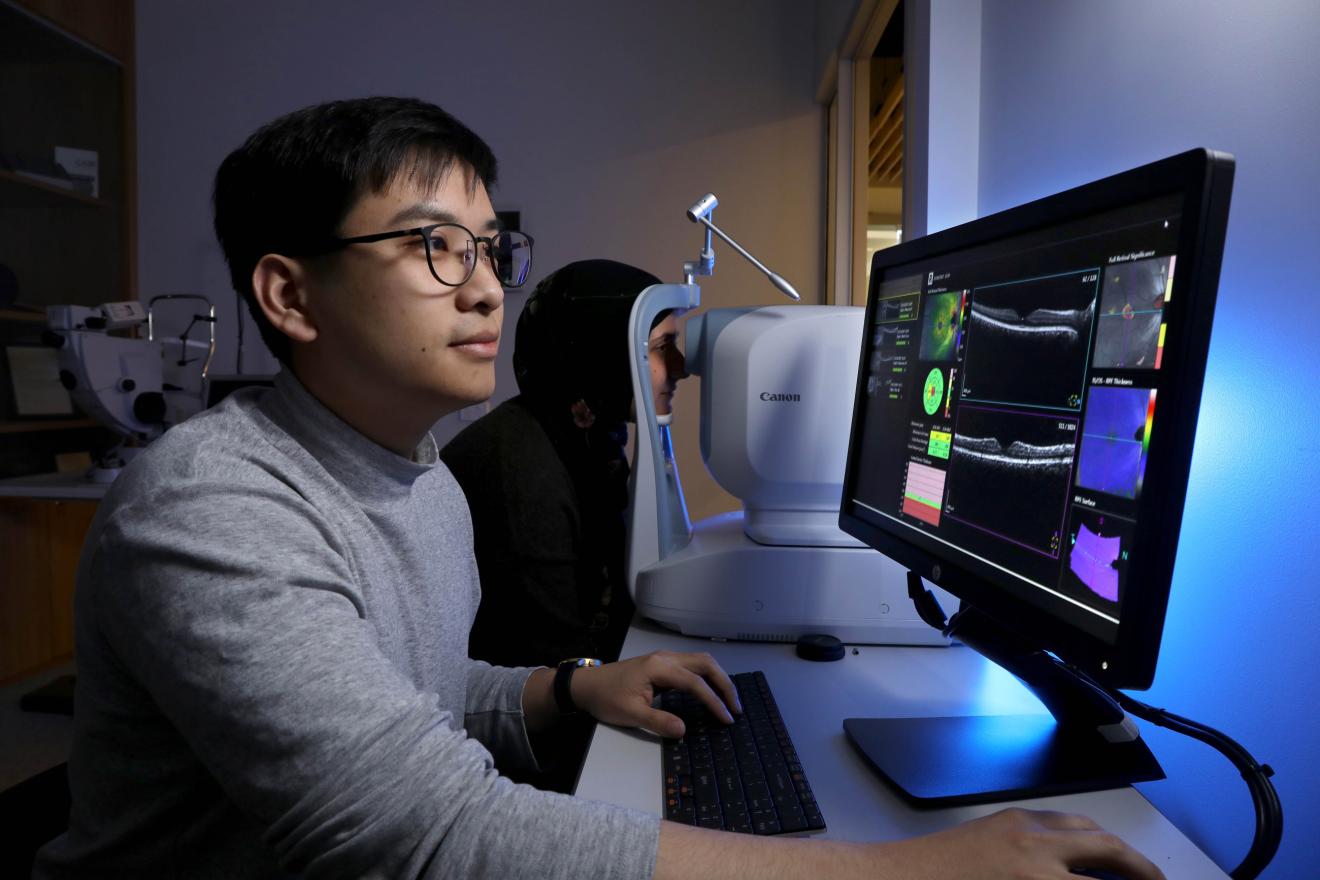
[452, 252]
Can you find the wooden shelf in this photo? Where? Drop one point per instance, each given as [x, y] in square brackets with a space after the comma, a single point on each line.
[67, 71]
[52, 188]
[24, 427]
[18, 315]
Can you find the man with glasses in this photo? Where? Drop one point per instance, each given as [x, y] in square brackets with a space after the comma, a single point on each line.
[273, 602]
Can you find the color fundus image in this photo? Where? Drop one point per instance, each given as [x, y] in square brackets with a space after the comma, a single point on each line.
[939, 327]
[1131, 312]
[1115, 438]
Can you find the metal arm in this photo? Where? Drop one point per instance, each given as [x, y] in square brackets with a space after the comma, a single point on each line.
[701, 213]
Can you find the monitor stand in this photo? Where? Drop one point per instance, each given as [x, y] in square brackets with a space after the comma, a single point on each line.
[1088, 745]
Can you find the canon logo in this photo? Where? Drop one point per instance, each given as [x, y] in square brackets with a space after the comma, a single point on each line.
[768, 395]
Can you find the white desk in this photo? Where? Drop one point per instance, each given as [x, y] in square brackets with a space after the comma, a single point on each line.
[56, 487]
[623, 767]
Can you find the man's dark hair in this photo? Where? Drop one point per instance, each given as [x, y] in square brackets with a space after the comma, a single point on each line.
[288, 188]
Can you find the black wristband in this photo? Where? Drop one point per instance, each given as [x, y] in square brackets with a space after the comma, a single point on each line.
[563, 677]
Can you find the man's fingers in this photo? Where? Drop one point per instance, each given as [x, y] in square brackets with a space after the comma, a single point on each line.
[671, 672]
[1064, 821]
[706, 666]
[697, 686]
[1100, 849]
[663, 723]
[1076, 841]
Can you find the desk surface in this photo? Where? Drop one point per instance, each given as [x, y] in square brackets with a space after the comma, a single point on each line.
[623, 767]
[60, 487]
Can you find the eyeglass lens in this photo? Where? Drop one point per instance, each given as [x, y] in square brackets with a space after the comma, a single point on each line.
[453, 254]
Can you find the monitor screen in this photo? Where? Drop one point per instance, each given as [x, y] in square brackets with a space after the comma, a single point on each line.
[1026, 405]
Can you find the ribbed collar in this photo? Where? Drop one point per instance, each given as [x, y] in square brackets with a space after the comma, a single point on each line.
[369, 471]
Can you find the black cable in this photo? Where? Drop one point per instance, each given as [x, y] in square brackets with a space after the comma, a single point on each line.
[1264, 797]
[1269, 811]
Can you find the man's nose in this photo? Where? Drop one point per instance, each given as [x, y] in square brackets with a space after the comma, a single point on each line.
[677, 366]
[483, 291]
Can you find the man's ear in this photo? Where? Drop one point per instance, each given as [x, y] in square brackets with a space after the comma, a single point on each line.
[280, 285]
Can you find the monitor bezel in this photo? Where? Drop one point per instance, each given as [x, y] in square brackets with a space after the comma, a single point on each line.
[1203, 180]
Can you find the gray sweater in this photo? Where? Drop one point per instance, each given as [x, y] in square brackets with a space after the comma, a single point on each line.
[272, 625]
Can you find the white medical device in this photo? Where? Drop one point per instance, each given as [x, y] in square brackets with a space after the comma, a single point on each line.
[777, 389]
[117, 380]
[133, 386]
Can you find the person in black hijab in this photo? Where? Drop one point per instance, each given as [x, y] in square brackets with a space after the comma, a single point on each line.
[547, 482]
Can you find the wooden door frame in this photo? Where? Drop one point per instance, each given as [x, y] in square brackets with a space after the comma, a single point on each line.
[846, 84]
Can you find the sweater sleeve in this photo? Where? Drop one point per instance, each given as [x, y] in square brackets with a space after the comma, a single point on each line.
[494, 714]
[236, 610]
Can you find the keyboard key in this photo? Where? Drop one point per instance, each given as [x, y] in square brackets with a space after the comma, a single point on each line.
[737, 816]
[781, 784]
[796, 822]
[707, 810]
[686, 815]
[730, 788]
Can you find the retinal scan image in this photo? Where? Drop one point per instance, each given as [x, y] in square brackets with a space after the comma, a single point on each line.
[1009, 475]
[1112, 455]
[939, 326]
[1131, 311]
[1027, 341]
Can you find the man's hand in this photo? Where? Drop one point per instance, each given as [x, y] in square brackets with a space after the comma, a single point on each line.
[621, 693]
[1009, 845]
[1017, 843]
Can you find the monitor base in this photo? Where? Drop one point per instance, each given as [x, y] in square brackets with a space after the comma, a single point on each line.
[944, 762]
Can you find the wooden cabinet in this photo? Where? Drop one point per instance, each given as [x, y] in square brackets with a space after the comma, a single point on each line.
[66, 81]
[40, 541]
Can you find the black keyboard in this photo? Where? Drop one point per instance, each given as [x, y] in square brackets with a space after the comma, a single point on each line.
[742, 777]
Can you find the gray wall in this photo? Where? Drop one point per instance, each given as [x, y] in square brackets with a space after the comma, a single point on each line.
[942, 114]
[1074, 91]
[833, 18]
[609, 119]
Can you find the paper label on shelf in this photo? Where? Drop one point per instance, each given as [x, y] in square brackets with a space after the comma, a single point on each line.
[35, 373]
[82, 166]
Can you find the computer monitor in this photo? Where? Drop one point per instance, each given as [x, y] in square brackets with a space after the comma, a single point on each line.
[1021, 436]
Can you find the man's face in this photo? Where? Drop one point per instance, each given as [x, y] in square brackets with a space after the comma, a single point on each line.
[667, 364]
[397, 333]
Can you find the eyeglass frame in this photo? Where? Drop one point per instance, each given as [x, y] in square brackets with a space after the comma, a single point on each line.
[425, 233]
